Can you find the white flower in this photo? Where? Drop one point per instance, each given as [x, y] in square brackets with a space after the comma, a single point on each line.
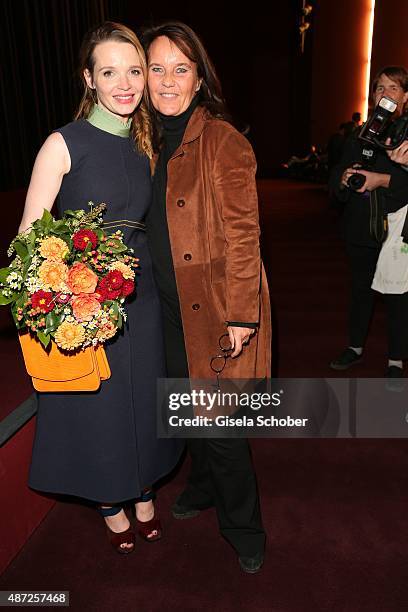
[14, 280]
[33, 284]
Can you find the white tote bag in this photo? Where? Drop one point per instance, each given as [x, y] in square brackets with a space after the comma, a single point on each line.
[391, 274]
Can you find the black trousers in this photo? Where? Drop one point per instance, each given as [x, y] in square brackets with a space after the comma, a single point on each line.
[397, 325]
[222, 474]
[363, 261]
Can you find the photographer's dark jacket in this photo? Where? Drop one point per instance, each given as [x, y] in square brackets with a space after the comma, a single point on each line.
[356, 217]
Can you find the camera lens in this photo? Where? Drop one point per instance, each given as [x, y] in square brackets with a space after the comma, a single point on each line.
[356, 181]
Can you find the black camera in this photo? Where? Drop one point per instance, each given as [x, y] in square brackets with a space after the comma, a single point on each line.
[382, 134]
[357, 180]
[379, 127]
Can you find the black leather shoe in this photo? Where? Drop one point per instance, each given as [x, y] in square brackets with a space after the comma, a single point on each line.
[251, 565]
[183, 512]
[346, 360]
[395, 379]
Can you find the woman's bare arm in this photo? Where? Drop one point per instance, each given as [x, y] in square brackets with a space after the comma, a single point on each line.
[52, 162]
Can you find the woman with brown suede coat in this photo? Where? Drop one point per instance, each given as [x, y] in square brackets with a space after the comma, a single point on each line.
[203, 235]
[214, 237]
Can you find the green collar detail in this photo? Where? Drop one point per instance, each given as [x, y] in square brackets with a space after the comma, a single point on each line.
[109, 123]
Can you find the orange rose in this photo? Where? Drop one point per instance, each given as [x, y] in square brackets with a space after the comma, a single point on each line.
[85, 306]
[81, 279]
[53, 275]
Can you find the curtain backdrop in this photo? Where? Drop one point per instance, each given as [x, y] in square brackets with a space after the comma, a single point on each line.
[39, 88]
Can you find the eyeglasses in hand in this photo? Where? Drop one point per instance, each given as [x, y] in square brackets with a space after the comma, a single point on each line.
[217, 363]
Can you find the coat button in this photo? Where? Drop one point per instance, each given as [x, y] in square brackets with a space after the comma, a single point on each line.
[180, 203]
[187, 256]
[196, 307]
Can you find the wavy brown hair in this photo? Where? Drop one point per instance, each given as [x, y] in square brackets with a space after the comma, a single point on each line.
[111, 31]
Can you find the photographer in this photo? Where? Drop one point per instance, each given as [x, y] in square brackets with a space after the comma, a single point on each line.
[385, 190]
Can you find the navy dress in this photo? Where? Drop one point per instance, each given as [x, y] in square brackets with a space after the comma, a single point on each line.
[103, 445]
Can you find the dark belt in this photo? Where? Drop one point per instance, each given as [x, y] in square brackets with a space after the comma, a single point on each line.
[125, 223]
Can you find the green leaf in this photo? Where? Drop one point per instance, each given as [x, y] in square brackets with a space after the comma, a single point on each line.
[4, 272]
[43, 338]
[25, 268]
[52, 322]
[69, 243]
[120, 249]
[21, 249]
[31, 243]
[4, 301]
[22, 299]
[114, 306]
[47, 218]
[60, 227]
[72, 213]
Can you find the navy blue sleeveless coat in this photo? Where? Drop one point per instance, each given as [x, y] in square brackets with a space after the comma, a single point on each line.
[103, 445]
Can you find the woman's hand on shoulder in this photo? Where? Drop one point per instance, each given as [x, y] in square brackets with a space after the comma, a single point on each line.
[52, 162]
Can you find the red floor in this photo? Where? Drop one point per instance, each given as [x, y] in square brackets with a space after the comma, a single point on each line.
[334, 510]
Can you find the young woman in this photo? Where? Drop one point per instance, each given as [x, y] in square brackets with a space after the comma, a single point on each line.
[103, 446]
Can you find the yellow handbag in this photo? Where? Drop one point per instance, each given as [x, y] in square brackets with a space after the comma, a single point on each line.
[55, 371]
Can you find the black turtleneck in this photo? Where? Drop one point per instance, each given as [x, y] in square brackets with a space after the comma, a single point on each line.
[157, 230]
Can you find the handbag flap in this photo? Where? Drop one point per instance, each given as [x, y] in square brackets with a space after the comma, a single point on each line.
[102, 363]
[52, 364]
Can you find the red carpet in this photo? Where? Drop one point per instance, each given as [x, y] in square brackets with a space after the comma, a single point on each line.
[334, 510]
[308, 277]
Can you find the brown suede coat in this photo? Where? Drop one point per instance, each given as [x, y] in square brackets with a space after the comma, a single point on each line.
[212, 215]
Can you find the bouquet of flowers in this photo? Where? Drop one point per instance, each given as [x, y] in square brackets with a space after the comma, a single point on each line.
[69, 279]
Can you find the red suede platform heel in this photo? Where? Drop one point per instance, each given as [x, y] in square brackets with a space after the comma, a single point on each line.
[151, 531]
[123, 537]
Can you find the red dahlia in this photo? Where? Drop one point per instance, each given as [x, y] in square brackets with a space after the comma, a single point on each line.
[83, 237]
[110, 286]
[127, 288]
[42, 300]
[113, 279]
